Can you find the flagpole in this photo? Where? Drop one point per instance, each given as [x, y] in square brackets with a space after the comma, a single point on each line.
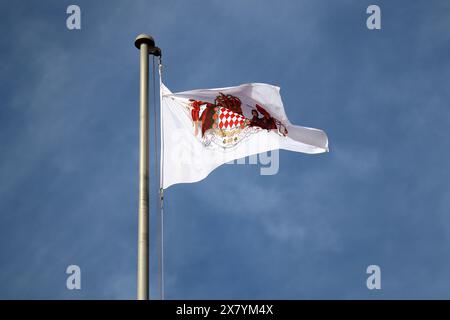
[146, 45]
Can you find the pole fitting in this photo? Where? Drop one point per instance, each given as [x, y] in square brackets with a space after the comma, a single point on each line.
[145, 38]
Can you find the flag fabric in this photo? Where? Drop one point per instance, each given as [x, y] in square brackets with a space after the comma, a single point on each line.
[203, 129]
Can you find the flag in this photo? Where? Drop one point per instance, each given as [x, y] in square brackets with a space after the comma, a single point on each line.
[203, 129]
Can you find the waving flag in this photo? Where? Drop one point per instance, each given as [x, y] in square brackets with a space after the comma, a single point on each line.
[203, 129]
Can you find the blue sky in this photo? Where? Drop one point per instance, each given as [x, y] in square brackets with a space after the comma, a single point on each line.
[69, 150]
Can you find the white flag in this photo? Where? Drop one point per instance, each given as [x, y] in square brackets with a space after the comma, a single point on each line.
[203, 129]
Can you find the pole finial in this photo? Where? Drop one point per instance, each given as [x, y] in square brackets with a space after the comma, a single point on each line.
[144, 38]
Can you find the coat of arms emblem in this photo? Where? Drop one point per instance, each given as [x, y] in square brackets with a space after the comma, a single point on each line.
[222, 122]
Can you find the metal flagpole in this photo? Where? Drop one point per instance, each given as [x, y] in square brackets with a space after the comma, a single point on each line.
[146, 45]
